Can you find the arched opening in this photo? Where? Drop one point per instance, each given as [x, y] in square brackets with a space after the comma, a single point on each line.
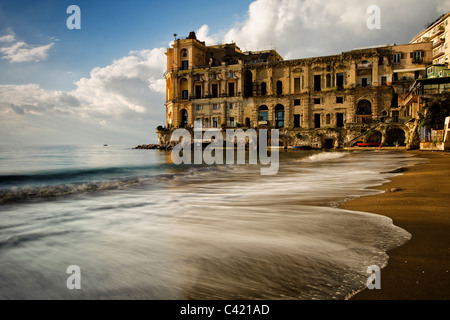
[184, 118]
[184, 89]
[279, 87]
[184, 60]
[263, 113]
[364, 112]
[279, 116]
[395, 137]
[375, 137]
[248, 84]
[263, 89]
[247, 122]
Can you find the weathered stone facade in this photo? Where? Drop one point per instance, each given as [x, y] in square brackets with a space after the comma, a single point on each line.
[324, 102]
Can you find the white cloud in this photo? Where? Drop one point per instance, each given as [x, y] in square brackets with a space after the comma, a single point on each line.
[7, 38]
[19, 51]
[299, 29]
[131, 87]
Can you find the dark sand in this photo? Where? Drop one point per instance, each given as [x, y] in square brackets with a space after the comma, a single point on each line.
[418, 270]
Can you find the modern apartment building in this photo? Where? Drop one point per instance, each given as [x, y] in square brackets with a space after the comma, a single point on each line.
[438, 34]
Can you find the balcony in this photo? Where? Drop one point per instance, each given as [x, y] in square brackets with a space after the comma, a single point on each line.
[438, 52]
[365, 65]
[365, 119]
[212, 96]
[438, 43]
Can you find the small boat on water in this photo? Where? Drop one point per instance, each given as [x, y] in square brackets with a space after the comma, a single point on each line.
[377, 145]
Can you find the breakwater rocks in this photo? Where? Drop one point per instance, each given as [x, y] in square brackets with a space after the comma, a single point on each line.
[154, 147]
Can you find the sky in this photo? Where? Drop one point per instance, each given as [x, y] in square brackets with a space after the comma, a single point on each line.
[103, 83]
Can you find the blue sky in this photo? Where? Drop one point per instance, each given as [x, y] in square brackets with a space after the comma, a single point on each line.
[104, 84]
[110, 29]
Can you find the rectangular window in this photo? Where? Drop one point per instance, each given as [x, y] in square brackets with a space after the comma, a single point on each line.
[185, 94]
[215, 90]
[317, 121]
[395, 76]
[397, 58]
[198, 108]
[383, 80]
[232, 122]
[184, 65]
[215, 123]
[340, 100]
[198, 92]
[317, 83]
[364, 82]
[296, 121]
[215, 76]
[317, 100]
[328, 79]
[296, 85]
[297, 102]
[340, 81]
[416, 56]
[340, 120]
[215, 107]
[231, 89]
[231, 75]
[231, 106]
[381, 61]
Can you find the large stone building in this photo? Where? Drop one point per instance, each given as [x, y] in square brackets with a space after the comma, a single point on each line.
[331, 101]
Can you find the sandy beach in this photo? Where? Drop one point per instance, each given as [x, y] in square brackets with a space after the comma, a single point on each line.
[417, 201]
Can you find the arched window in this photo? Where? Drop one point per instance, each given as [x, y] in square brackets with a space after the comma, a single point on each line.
[248, 84]
[279, 87]
[184, 53]
[263, 88]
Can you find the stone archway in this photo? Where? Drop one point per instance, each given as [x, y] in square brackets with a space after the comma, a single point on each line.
[395, 136]
[374, 137]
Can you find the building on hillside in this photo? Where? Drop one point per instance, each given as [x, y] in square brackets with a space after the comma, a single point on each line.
[438, 34]
[331, 101]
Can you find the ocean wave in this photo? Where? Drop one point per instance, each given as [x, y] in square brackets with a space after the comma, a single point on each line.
[324, 156]
[56, 175]
[17, 194]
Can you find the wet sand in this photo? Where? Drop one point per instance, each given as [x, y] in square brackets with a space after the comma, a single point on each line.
[419, 202]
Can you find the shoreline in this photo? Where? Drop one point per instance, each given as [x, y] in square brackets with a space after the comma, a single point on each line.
[416, 201]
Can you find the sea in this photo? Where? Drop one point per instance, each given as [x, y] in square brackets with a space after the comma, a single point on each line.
[139, 227]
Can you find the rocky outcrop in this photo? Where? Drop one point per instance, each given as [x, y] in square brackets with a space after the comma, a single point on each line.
[154, 147]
